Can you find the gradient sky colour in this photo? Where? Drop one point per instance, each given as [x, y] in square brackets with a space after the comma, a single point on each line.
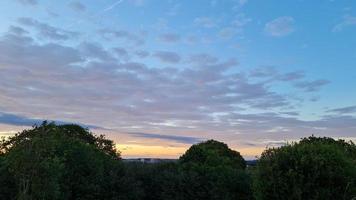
[157, 76]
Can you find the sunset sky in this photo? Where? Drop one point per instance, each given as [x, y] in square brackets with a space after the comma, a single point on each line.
[157, 76]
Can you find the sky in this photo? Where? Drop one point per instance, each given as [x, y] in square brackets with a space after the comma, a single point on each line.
[157, 76]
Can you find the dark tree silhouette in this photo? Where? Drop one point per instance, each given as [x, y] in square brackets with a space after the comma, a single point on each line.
[60, 162]
[314, 168]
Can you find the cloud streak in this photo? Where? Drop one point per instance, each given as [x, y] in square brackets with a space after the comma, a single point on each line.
[18, 120]
[175, 138]
[343, 110]
[46, 30]
[112, 6]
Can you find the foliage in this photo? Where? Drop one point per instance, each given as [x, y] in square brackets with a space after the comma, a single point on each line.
[314, 168]
[7, 182]
[60, 162]
[213, 171]
[213, 153]
[157, 181]
[69, 130]
[69, 162]
[209, 171]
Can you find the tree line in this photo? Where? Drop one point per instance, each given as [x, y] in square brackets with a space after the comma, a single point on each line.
[53, 162]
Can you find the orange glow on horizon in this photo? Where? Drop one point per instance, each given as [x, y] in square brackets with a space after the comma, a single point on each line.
[156, 151]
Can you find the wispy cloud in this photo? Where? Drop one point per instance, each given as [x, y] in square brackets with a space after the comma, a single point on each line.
[343, 110]
[28, 2]
[168, 57]
[112, 6]
[346, 22]
[112, 34]
[18, 120]
[175, 138]
[206, 22]
[77, 6]
[95, 15]
[47, 30]
[169, 37]
[281, 26]
[312, 86]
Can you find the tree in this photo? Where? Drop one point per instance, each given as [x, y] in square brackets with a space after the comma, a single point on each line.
[210, 170]
[213, 153]
[61, 162]
[7, 182]
[72, 131]
[314, 168]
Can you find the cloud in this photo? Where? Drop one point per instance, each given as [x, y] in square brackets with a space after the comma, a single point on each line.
[202, 58]
[290, 113]
[110, 34]
[46, 30]
[312, 86]
[238, 4]
[28, 2]
[281, 26]
[346, 22]
[167, 57]
[140, 93]
[205, 22]
[22, 51]
[17, 30]
[209, 97]
[51, 13]
[122, 53]
[344, 110]
[77, 6]
[142, 53]
[272, 74]
[236, 27]
[262, 72]
[169, 38]
[175, 138]
[240, 20]
[291, 76]
[93, 50]
[227, 33]
[18, 120]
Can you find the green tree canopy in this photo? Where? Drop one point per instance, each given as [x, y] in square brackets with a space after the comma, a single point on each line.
[72, 131]
[213, 153]
[60, 162]
[314, 168]
[211, 170]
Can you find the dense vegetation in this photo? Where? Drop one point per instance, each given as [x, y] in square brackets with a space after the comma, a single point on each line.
[69, 162]
[314, 168]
